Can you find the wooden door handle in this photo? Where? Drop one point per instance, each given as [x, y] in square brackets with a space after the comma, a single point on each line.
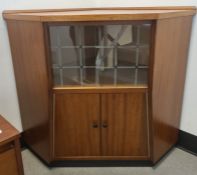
[95, 124]
[104, 124]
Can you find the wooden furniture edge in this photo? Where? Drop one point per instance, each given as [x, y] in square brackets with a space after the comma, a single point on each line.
[100, 89]
[104, 8]
[19, 156]
[11, 137]
[56, 158]
[15, 14]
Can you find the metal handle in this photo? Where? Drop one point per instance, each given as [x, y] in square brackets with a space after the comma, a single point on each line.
[95, 124]
[104, 124]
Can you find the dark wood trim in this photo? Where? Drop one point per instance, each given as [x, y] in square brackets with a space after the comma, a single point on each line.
[187, 142]
[18, 156]
[101, 163]
[150, 88]
[84, 158]
[48, 60]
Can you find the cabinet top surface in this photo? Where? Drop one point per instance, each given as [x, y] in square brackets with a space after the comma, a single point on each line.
[99, 14]
[7, 131]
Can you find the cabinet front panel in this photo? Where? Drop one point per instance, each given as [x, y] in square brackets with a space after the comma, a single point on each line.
[8, 163]
[77, 131]
[124, 125]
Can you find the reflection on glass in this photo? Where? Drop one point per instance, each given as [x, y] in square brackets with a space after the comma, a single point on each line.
[119, 34]
[141, 34]
[145, 31]
[144, 53]
[71, 76]
[108, 35]
[70, 57]
[100, 54]
[89, 76]
[54, 56]
[126, 56]
[142, 76]
[89, 56]
[106, 76]
[64, 35]
[66, 57]
[56, 76]
[125, 76]
[90, 35]
[99, 57]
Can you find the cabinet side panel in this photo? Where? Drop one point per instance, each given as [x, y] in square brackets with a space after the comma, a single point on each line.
[28, 53]
[170, 60]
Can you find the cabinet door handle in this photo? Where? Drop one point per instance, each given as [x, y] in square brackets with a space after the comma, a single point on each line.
[104, 124]
[95, 124]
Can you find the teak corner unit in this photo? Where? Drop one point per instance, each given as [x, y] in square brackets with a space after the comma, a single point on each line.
[100, 84]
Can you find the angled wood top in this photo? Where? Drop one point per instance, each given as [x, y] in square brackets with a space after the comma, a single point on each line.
[7, 131]
[99, 14]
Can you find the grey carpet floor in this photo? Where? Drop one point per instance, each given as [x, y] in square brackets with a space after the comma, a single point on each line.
[177, 162]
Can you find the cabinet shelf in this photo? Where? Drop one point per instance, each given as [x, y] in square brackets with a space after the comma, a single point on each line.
[101, 89]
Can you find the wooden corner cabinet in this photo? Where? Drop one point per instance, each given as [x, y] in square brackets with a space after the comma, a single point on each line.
[100, 84]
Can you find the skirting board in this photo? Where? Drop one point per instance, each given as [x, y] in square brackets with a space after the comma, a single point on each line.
[187, 142]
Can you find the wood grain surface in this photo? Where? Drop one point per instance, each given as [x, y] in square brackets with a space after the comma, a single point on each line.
[77, 125]
[8, 132]
[170, 60]
[10, 151]
[124, 125]
[8, 163]
[99, 14]
[30, 67]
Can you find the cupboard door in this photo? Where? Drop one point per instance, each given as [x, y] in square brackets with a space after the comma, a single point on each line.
[77, 131]
[124, 125]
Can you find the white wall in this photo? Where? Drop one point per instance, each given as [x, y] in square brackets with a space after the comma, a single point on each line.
[8, 97]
